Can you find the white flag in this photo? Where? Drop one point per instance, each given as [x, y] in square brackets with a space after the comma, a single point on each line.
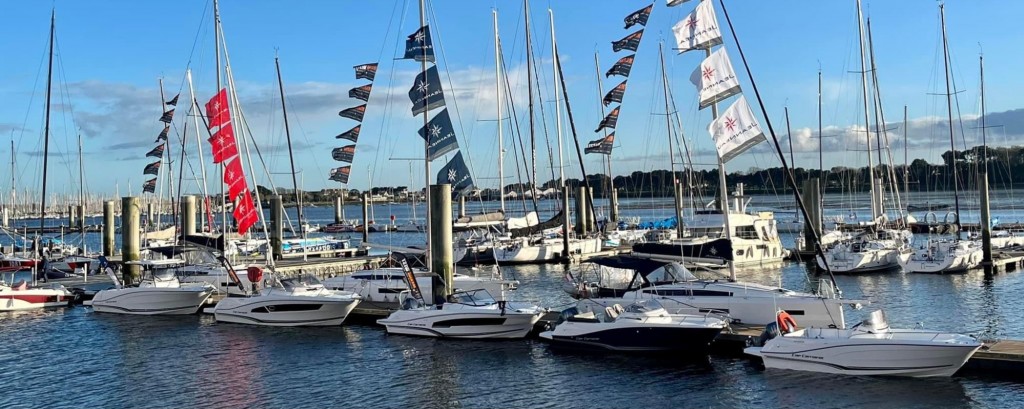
[715, 79]
[699, 30]
[671, 3]
[736, 130]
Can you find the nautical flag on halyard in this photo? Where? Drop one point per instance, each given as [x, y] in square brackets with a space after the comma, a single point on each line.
[609, 120]
[603, 145]
[344, 153]
[340, 174]
[149, 186]
[639, 17]
[736, 130]
[351, 134]
[699, 30]
[367, 71]
[152, 168]
[163, 133]
[622, 66]
[715, 79]
[442, 135]
[217, 109]
[223, 143]
[355, 113]
[671, 3]
[456, 174]
[361, 93]
[418, 45]
[615, 95]
[426, 93]
[157, 152]
[174, 101]
[630, 42]
[245, 212]
[167, 116]
[234, 178]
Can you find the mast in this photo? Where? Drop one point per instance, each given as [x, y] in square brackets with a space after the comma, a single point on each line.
[220, 169]
[426, 145]
[949, 109]
[14, 182]
[199, 146]
[81, 184]
[46, 134]
[984, 141]
[875, 211]
[671, 149]
[529, 93]
[170, 171]
[498, 97]
[291, 154]
[722, 187]
[906, 158]
[607, 158]
[821, 141]
[789, 132]
[558, 109]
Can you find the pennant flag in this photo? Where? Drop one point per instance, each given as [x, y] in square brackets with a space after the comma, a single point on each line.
[671, 3]
[426, 93]
[630, 42]
[174, 101]
[456, 174]
[418, 45]
[699, 30]
[615, 95]
[152, 169]
[622, 66]
[715, 79]
[149, 186]
[639, 17]
[167, 116]
[603, 145]
[217, 109]
[355, 113]
[234, 178]
[736, 130]
[163, 134]
[442, 135]
[245, 212]
[609, 120]
[366, 71]
[351, 134]
[223, 143]
[340, 174]
[344, 153]
[361, 93]
[157, 152]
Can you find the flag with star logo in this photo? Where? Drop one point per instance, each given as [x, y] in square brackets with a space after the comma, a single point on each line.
[157, 152]
[245, 212]
[418, 45]
[735, 130]
[630, 42]
[615, 95]
[426, 93]
[602, 146]
[442, 135]
[622, 67]
[715, 79]
[223, 144]
[355, 113]
[344, 153]
[217, 109]
[698, 30]
[351, 134]
[361, 93]
[234, 178]
[366, 71]
[456, 173]
[638, 17]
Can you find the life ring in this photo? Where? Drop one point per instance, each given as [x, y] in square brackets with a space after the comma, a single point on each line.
[786, 322]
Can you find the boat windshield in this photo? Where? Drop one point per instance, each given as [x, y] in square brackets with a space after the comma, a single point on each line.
[473, 297]
[163, 274]
[303, 281]
[875, 322]
[642, 306]
[670, 273]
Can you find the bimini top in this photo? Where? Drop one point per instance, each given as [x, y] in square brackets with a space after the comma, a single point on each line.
[652, 271]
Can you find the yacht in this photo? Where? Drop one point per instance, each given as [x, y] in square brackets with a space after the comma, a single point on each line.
[541, 248]
[159, 293]
[944, 256]
[466, 314]
[869, 252]
[289, 302]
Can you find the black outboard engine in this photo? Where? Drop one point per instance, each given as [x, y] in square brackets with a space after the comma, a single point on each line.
[770, 331]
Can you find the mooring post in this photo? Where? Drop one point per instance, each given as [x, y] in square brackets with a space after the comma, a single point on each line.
[986, 224]
[72, 220]
[581, 210]
[276, 226]
[677, 197]
[565, 223]
[462, 206]
[201, 212]
[614, 206]
[150, 214]
[130, 219]
[366, 217]
[80, 210]
[5, 216]
[591, 210]
[812, 202]
[441, 252]
[108, 228]
[337, 210]
[188, 215]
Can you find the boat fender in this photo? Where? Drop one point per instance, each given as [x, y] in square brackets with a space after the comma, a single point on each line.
[786, 322]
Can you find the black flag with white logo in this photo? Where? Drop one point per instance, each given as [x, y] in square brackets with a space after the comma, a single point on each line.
[344, 153]
[418, 45]
[615, 95]
[639, 17]
[603, 145]
[361, 93]
[609, 121]
[355, 113]
[630, 42]
[456, 173]
[622, 66]
[426, 93]
[366, 71]
[351, 134]
[442, 135]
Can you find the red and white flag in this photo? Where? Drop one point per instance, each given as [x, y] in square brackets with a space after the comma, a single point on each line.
[217, 109]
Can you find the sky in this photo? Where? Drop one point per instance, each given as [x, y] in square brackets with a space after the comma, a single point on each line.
[110, 56]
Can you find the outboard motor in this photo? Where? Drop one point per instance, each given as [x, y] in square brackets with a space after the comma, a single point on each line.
[770, 331]
[255, 276]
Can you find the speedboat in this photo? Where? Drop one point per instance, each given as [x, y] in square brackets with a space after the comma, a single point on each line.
[289, 302]
[621, 279]
[868, 348]
[160, 293]
[642, 326]
[17, 295]
[466, 314]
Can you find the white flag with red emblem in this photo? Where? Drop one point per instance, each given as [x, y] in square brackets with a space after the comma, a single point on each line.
[698, 30]
[715, 79]
[736, 130]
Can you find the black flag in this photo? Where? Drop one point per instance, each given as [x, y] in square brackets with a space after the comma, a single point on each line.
[426, 93]
[149, 186]
[166, 117]
[418, 45]
[351, 134]
[340, 174]
[615, 95]
[174, 101]
[152, 169]
[361, 93]
[622, 66]
[603, 145]
[456, 174]
[630, 42]
[639, 17]
[344, 153]
[157, 152]
[355, 113]
[367, 71]
[163, 134]
[442, 135]
[609, 121]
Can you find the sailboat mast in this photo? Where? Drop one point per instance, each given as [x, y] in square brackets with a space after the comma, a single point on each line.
[291, 154]
[220, 169]
[199, 146]
[875, 211]
[607, 158]
[46, 132]
[14, 182]
[789, 133]
[906, 158]
[558, 109]
[671, 150]
[81, 182]
[949, 110]
[529, 93]
[426, 143]
[984, 140]
[722, 187]
[821, 141]
[498, 98]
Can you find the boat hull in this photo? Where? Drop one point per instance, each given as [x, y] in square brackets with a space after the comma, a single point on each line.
[472, 325]
[892, 359]
[633, 339]
[151, 301]
[32, 299]
[548, 251]
[284, 311]
[749, 310]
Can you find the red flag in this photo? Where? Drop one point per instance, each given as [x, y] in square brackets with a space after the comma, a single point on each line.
[234, 177]
[223, 143]
[217, 109]
[245, 213]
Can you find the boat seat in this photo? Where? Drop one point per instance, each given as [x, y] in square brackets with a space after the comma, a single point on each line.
[618, 309]
[584, 317]
[610, 314]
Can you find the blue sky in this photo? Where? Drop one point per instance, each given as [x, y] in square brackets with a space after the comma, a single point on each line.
[112, 53]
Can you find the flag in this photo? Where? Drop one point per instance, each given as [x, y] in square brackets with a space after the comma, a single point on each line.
[149, 186]
[442, 135]
[715, 79]
[361, 93]
[671, 3]
[639, 17]
[245, 212]
[456, 174]
[355, 113]
[418, 45]
[174, 101]
[344, 153]
[609, 120]
[152, 169]
[603, 145]
[615, 95]
[630, 42]
[163, 134]
[351, 134]
[167, 116]
[622, 66]
[367, 71]
[234, 178]
[340, 174]
[699, 30]
[217, 109]
[426, 93]
[157, 152]
[736, 130]
[223, 144]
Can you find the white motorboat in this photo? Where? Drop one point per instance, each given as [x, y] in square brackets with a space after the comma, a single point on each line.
[621, 279]
[541, 249]
[642, 326]
[380, 288]
[944, 256]
[298, 301]
[17, 295]
[869, 348]
[160, 293]
[467, 314]
[755, 241]
[868, 253]
[411, 227]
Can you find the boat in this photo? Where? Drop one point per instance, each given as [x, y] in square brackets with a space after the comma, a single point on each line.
[541, 248]
[944, 256]
[289, 302]
[642, 326]
[869, 252]
[466, 314]
[17, 294]
[868, 348]
[159, 293]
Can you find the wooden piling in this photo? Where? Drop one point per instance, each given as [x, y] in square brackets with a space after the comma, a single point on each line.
[108, 228]
[581, 210]
[151, 214]
[462, 206]
[130, 210]
[72, 220]
[5, 218]
[614, 206]
[812, 202]
[565, 223]
[80, 210]
[276, 226]
[366, 217]
[337, 210]
[188, 215]
[442, 260]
